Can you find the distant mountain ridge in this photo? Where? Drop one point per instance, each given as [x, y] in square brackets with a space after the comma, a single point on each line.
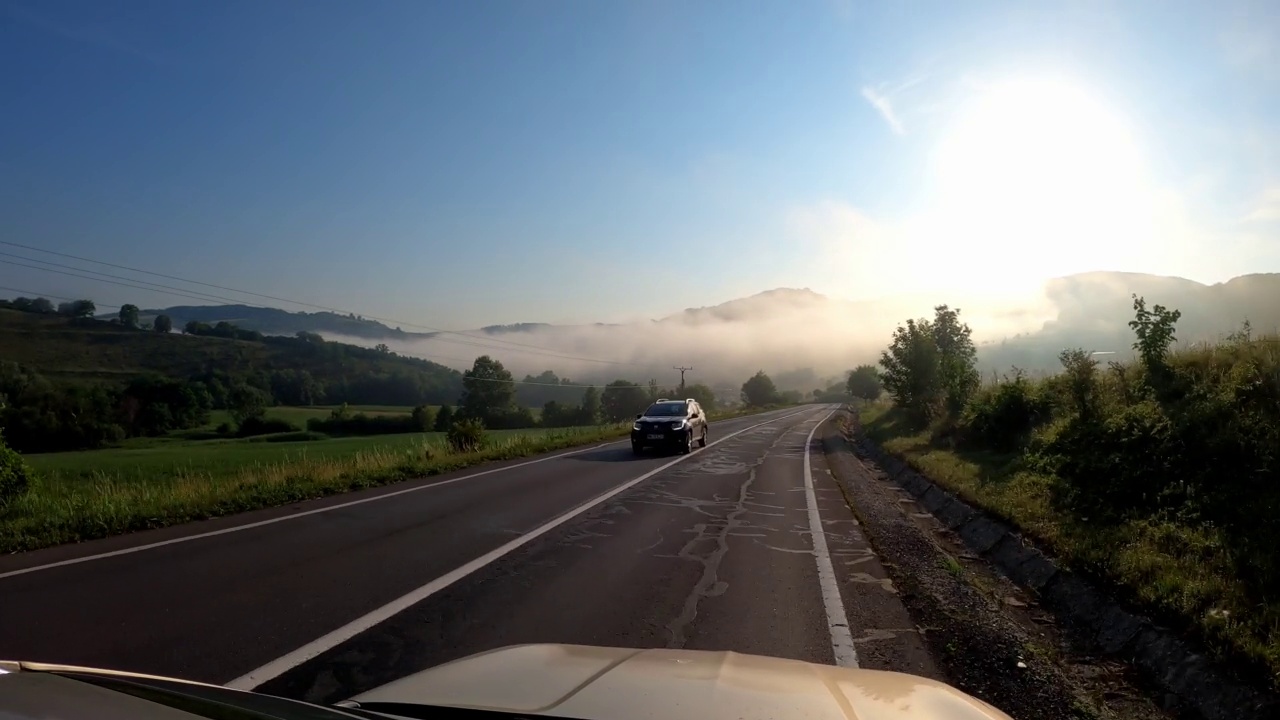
[274, 321]
[790, 329]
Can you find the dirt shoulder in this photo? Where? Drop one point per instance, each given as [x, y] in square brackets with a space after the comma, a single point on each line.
[987, 636]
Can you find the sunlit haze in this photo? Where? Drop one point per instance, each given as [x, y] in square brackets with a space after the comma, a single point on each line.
[466, 164]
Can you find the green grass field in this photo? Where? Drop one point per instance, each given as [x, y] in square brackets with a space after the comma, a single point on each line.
[86, 495]
[156, 482]
[166, 459]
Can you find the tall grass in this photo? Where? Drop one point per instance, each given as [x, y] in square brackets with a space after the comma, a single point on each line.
[1160, 479]
[76, 506]
[86, 495]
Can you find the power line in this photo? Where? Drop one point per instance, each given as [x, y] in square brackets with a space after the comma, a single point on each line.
[34, 295]
[182, 293]
[419, 357]
[300, 302]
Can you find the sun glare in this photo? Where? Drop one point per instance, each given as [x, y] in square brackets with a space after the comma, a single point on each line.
[1036, 178]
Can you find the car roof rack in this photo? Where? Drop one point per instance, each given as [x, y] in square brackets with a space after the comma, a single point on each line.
[692, 400]
[662, 400]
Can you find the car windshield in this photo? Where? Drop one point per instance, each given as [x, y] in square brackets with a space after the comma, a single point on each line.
[672, 409]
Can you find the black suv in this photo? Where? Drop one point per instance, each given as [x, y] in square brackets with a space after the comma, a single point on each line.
[670, 423]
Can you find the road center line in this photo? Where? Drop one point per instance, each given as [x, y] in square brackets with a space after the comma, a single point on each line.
[280, 665]
[837, 621]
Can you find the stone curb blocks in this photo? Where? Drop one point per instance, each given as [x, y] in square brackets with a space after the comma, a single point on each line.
[1189, 677]
[914, 483]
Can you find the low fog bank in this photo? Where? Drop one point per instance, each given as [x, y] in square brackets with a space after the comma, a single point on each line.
[806, 340]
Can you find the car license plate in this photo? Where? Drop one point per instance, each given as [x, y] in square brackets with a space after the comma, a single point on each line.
[655, 436]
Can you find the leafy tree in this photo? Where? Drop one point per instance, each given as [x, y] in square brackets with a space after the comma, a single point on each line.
[155, 405]
[552, 412]
[15, 476]
[195, 327]
[42, 305]
[83, 309]
[911, 369]
[163, 324]
[295, 387]
[705, 396]
[488, 391]
[245, 401]
[790, 397]
[129, 315]
[1154, 329]
[77, 308]
[424, 418]
[1079, 377]
[444, 419]
[759, 390]
[540, 389]
[382, 348]
[654, 391]
[591, 411]
[957, 358]
[863, 382]
[622, 399]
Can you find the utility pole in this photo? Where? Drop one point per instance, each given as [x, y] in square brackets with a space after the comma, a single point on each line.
[682, 372]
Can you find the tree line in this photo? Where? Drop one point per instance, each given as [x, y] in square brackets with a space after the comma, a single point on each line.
[46, 413]
[1184, 439]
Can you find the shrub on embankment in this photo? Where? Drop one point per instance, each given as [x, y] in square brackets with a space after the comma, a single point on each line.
[1158, 475]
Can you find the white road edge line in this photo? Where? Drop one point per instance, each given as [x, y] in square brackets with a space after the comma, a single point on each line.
[280, 665]
[837, 621]
[295, 516]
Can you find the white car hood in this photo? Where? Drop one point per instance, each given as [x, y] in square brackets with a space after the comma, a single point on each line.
[603, 683]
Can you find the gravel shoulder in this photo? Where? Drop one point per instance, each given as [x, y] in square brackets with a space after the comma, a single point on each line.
[987, 636]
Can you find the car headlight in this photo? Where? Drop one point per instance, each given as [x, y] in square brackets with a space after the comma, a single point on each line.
[677, 425]
[635, 426]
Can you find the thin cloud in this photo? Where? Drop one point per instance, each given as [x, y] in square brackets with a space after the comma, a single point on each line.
[884, 106]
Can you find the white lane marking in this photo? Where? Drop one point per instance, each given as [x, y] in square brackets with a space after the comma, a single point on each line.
[294, 516]
[280, 665]
[837, 622]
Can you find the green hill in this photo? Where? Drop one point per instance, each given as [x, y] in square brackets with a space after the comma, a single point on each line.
[90, 351]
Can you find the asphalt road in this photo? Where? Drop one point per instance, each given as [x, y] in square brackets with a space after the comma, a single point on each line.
[325, 599]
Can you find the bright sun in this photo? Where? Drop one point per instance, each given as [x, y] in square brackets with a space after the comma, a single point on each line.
[1036, 178]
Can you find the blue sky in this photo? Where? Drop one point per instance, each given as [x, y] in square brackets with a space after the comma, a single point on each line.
[466, 163]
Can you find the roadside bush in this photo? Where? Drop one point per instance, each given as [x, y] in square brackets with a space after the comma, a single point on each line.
[466, 436]
[15, 476]
[516, 419]
[424, 418]
[1115, 467]
[297, 436]
[362, 424]
[1001, 417]
[258, 425]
